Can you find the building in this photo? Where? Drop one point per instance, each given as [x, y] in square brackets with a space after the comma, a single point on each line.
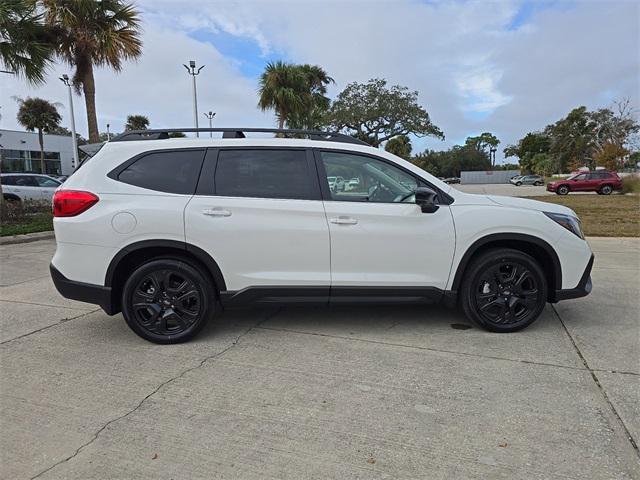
[21, 152]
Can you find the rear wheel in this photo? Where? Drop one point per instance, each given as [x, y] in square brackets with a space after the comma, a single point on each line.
[168, 300]
[562, 190]
[606, 190]
[518, 184]
[504, 290]
[537, 184]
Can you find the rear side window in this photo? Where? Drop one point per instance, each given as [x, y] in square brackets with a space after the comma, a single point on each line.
[173, 171]
[263, 173]
[8, 180]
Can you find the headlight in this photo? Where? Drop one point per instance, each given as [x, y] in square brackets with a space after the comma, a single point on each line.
[567, 221]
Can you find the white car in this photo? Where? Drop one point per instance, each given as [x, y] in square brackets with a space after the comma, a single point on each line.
[28, 186]
[169, 231]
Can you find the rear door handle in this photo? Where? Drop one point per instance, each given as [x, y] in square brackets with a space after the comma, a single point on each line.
[216, 212]
[342, 220]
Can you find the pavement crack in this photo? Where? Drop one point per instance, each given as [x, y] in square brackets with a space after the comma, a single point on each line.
[156, 390]
[60, 322]
[632, 441]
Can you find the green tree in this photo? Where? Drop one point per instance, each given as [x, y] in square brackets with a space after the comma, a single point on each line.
[136, 122]
[376, 113]
[41, 115]
[400, 146]
[27, 45]
[94, 33]
[315, 101]
[450, 163]
[531, 144]
[612, 156]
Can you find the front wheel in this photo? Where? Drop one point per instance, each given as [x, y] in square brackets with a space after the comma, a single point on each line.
[562, 190]
[518, 184]
[168, 300]
[504, 290]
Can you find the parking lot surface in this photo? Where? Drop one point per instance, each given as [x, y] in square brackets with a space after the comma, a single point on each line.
[350, 392]
[504, 189]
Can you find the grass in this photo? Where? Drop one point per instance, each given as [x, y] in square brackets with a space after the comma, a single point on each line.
[603, 215]
[18, 218]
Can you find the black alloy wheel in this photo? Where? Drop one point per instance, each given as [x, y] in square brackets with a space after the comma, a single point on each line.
[167, 300]
[505, 290]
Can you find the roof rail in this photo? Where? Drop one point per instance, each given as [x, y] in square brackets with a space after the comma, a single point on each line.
[163, 133]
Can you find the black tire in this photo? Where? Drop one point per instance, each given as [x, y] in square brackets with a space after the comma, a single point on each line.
[537, 184]
[562, 190]
[518, 184]
[606, 190]
[504, 290]
[168, 300]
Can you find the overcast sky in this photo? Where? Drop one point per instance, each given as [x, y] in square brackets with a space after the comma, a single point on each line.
[507, 67]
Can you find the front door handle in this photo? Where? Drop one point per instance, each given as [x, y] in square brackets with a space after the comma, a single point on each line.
[342, 220]
[216, 212]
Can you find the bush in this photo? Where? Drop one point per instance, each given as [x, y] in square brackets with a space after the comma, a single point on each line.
[25, 217]
[631, 184]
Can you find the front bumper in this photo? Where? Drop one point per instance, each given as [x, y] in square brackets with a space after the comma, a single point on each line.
[551, 188]
[582, 290]
[83, 292]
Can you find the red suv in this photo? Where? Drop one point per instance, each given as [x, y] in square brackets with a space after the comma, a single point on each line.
[599, 181]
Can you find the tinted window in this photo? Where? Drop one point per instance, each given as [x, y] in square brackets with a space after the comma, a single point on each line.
[26, 181]
[9, 180]
[263, 173]
[47, 182]
[356, 178]
[172, 172]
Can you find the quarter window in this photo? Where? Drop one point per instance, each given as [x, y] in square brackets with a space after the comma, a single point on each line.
[169, 171]
[356, 178]
[263, 173]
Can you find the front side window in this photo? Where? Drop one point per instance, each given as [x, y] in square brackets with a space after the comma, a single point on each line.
[174, 171]
[263, 173]
[357, 178]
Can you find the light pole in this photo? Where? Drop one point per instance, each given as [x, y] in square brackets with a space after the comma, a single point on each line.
[65, 79]
[108, 133]
[492, 155]
[210, 116]
[191, 69]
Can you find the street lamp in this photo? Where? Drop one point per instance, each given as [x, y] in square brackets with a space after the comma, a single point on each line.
[191, 70]
[65, 79]
[492, 156]
[210, 116]
[108, 134]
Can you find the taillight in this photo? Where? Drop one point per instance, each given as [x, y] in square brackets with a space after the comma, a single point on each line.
[69, 203]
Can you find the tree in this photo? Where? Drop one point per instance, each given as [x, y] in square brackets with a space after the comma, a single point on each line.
[41, 115]
[375, 113]
[27, 45]
[295, 92]
[531, 144]
[136, 122]
[94, 33]
[611, 156]
[451, 162]
[400, 146]
[67, 133]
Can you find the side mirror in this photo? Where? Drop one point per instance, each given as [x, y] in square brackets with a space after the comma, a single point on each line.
[426, 199]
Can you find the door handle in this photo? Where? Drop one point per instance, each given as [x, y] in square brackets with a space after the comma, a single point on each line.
[342, 220]
[216, 212]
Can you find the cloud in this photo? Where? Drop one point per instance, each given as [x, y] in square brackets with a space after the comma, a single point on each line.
[507, 67]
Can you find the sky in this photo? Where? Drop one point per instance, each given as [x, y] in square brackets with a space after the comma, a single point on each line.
[508, 67]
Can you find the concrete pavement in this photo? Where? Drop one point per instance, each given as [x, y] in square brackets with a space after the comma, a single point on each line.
[350, 392]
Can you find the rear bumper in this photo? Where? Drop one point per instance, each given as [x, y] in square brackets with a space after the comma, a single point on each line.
[83, 292]
[582, 290]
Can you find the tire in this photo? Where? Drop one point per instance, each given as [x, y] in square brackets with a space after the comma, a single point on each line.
[562, 190]
[504, 290]
[606, 190]
[538, 184]
[518, 184]
[168, 300]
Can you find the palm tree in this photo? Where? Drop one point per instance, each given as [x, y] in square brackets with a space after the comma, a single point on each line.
[94, 33]
[41, 115]
[281, 88]
[137, 122]
[27, 45]
[316, 103]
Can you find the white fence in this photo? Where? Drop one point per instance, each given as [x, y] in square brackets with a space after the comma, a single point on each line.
[489, 176]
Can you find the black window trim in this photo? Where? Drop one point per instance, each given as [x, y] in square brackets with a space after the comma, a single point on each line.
[443, 198]
[206, 183]
[115, 173]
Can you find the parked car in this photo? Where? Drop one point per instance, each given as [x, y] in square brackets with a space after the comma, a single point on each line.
[336, 184]
[28, 186]
[451, 180]
[527, 180]
[600, 181]
[169, 231]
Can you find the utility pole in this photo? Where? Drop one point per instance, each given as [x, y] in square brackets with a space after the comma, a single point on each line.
[65, 79]
[210, 116]
[191, 70]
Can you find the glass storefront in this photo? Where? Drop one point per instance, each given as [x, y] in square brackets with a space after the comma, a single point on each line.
[29, 161]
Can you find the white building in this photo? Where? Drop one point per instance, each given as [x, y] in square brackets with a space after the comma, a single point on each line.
[21, 152]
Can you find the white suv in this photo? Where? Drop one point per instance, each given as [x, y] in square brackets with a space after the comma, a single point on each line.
[28, 186]
[169, 231]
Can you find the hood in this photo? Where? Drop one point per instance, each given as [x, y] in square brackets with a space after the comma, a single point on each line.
[517, 202]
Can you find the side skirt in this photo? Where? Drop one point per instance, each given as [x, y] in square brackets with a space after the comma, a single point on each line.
[325, 295]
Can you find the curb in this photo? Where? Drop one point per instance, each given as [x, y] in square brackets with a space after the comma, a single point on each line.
[26, 238]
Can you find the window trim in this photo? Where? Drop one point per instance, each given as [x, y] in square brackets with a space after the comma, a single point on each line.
[115, 173]
[443, 198]
[208, 187]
